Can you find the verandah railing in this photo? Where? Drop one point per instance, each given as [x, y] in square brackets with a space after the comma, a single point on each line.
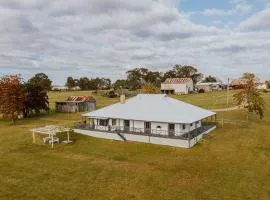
[142, 131]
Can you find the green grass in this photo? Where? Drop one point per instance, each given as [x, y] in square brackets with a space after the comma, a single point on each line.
[212, 100]
[231, 163]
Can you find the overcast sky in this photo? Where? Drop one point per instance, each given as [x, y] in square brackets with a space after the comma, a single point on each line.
[108, 37]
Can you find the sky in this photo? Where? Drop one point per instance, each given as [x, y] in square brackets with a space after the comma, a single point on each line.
[105, 38]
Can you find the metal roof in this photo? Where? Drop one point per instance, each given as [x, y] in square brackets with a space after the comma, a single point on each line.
[78, 99]
[177, 80]
[154, 108]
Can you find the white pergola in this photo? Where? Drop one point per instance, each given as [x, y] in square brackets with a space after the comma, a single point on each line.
[51, 131]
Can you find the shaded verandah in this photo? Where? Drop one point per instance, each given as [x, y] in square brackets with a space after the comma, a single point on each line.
[88, 124]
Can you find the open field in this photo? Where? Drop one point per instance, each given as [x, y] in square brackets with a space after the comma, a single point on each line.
[231, 163]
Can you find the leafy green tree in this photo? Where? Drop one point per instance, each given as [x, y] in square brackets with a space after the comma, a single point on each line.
[105, 84]
[210, 79]
[187, 71]
[251, 98]
[70, 82]
[169, 74]
[137, 77]
[12, 97]
[84, 83]
[36, 100]
[154, 78]
[41, 80]
[120, 84]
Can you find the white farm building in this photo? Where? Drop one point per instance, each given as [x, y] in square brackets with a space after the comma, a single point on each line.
[149, 118]
[177, 86]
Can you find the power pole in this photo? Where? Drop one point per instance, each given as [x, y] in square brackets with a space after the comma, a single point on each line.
[228, 92]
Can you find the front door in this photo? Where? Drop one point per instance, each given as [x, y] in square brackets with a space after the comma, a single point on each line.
[147, 127]
[126, 125]
[171, 129]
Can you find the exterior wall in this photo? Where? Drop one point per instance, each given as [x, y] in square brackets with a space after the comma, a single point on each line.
[145, 139]
[209, 88]
[163, 126]
[189, 127]
[183, 88]
[136, 138]
[72, 107]
[262, 86]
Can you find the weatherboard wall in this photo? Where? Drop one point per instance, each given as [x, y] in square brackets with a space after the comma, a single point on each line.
[145, 139]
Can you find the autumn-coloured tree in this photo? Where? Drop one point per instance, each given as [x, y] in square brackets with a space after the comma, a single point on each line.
[250, 97]
[12, 97]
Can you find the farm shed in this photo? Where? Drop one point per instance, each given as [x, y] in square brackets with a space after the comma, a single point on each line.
[76, 104]
[177, 86]
[209, 86]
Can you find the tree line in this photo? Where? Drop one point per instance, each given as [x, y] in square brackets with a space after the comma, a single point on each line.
[139, 77]
[19, 98]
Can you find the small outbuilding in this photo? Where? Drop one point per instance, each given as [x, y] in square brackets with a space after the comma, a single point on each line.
[177, 86]
[209, 86]
[76, 104]
[240, 83]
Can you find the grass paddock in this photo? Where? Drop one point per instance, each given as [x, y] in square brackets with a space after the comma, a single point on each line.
[231, 163]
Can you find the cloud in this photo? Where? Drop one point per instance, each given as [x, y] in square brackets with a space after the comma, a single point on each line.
[259, 21]
[239, 7]
[106, 38]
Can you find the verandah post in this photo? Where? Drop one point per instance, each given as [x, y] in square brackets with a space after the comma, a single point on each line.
[188, 135]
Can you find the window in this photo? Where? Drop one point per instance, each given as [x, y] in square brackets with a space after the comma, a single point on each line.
[103, 122]
[158, 127]
[113, 122]
[184, 127]
[191, 124]
[147, 125]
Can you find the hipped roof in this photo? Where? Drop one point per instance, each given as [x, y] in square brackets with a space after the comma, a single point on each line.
[154, 108]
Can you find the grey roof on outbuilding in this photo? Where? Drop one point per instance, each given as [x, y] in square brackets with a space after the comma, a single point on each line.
[154, 108]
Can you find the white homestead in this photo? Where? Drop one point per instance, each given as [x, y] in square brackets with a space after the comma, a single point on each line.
[148, 115]
[177, 86]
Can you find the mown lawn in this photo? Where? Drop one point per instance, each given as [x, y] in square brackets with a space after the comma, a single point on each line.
[231, 163]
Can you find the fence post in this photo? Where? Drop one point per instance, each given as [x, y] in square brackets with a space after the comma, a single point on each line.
[222, 122]
[188, 136]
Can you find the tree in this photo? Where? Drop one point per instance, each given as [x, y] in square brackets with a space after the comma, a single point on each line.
[248, 76]
[268, 84]
[187, 71]
[12, 97]
[135, 78]
[84, 83]
[169, 74]
[70, 82]
[150, 88]
[153, 77]
[210, 79]
[251, 98]
[36, 99]
[104, 84]
[120, 84]
[139, 76]
[41, 80]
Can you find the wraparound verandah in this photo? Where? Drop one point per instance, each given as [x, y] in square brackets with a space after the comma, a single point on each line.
[103, 125]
